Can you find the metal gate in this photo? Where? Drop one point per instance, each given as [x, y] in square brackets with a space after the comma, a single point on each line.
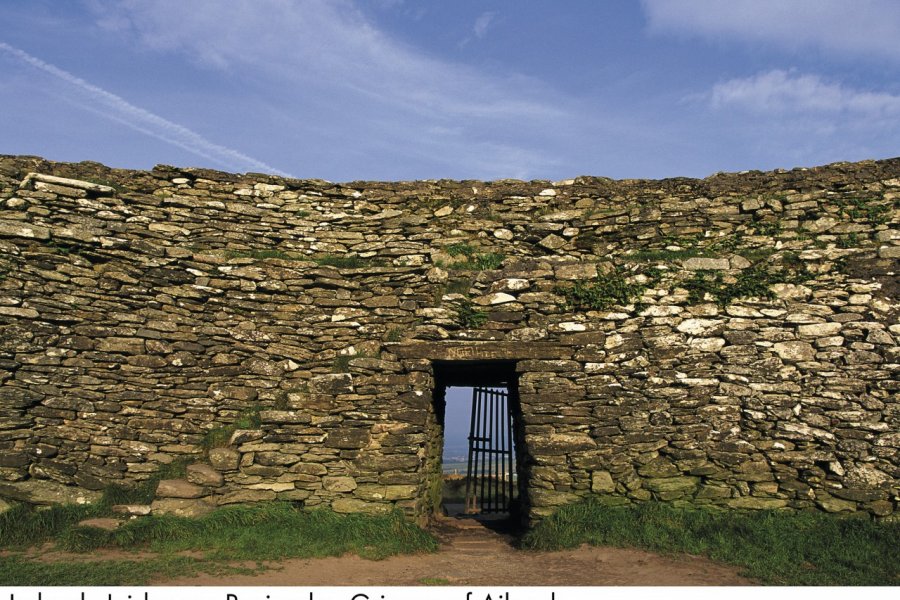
[491, 468]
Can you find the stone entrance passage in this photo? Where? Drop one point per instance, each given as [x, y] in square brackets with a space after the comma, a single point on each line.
[495, 441]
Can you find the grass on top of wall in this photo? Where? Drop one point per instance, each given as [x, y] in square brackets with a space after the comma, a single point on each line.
[263, 531]
[776, 547]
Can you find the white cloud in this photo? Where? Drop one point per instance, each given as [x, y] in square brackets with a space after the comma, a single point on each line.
[482, 23]
[858, 27]
[783, 91]
[118, 109]
[315, 52]
[388, 4]
[322, 40]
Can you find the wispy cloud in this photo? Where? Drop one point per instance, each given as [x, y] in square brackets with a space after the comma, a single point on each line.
[860, 27]
[385, 90]
[782, 118]
[482, 23]
[388, 4]
[118, 109]
[323, 41]
[782, 91]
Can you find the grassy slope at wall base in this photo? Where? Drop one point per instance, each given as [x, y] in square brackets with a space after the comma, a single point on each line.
[264, 531]
[777, 547]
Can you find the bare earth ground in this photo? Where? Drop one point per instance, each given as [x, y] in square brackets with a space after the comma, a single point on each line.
[472, 554]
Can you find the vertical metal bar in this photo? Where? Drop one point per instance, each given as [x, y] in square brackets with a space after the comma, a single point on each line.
[512, 456]
[476, 487]
[493, 467]
[502, 457]
[478, 453]
[486, 455]
[496, 426]
[489, 505]
[498, 454]
[507, 450]
[483, 435]
[469, 474]
[492, 460]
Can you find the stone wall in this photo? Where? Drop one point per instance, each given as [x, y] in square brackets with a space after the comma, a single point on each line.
[729, 341]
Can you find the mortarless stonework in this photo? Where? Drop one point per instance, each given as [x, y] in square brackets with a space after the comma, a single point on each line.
[744, 352]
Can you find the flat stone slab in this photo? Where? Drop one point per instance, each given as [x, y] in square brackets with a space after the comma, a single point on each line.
[106, 523]
[795, 351]
[179, 488]
[182, 507]
[706, 264]
[134, 510]
[203, 474]
[481, 350]
[245, 495]
[66, 182]
[224, 459]
[44, 492]
[24, 230]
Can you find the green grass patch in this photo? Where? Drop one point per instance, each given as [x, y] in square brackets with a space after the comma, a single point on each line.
[141, 493]
[469, 317]
[752, 282]
[471, 259]
[341, 363]
[269, 531]
[713, 283]
[219, 437]
[460, 249]
[604, 291]
[756, 255]
[782, 548]
[394, 334]
[263, 531]
[851, 240]
[434, 581]
[769, 227]
[22, 526]
[477, 262]
[870, 210]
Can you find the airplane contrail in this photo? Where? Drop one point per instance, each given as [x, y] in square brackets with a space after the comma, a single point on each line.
[146, 122]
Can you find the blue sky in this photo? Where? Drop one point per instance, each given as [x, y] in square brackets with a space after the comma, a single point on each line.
[412, 89]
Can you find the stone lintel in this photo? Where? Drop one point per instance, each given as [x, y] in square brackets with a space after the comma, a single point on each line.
[481, 350]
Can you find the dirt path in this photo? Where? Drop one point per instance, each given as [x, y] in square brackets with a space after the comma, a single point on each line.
[472, 554]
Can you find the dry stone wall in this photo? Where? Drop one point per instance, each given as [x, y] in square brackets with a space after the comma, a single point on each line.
[729, 341]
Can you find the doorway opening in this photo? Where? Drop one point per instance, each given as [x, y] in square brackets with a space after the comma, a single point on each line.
[479, 419]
